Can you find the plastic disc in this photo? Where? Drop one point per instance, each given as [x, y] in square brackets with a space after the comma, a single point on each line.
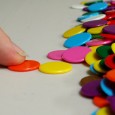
[27, 65]
[55, 67]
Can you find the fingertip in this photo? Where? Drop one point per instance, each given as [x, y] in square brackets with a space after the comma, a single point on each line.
[10, 54]
[12, 60]
[16, 60]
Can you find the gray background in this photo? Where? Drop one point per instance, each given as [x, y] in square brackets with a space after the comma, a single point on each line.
[37, 27]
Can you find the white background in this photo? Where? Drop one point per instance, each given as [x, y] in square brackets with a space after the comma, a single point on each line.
[37, 27]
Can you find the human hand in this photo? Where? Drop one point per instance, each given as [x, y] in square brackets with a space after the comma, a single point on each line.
[10, 54]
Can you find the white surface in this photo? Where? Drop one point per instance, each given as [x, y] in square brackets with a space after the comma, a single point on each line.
[37, 27]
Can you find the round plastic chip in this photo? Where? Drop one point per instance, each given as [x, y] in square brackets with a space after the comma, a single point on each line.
[111, 100]
[104, 111]
[100, 101]
[113, 47]
[108, 36]
[96, 42]
[77, 40]
[71, 55]
[94, 23]
[88, 79]
[95, 30]
[94, 87]
[98, 68]
[73, 31]
[110, 75]
[92, 57]
[55, 67]
[109, 29]
[55, 55]
[27, 65]
[110, 61]
[97, 6]
[104, 51]
[107, 87]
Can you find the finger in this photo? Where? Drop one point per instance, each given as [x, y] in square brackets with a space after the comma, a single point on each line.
[10, 54]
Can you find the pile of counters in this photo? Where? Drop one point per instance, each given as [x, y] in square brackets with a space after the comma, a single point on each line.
[97, 33]
[92, 41]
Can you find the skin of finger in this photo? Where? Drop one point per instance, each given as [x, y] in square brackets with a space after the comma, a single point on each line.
[8, 54]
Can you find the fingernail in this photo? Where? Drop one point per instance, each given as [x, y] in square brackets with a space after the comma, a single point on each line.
[20, 51]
